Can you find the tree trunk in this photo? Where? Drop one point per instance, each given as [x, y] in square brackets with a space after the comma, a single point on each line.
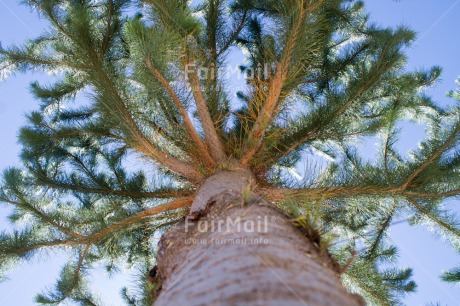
[239, 249]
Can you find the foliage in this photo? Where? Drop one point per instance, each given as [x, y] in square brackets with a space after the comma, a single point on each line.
[102, 175]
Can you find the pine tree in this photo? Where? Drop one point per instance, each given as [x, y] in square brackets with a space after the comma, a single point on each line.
[320, 79]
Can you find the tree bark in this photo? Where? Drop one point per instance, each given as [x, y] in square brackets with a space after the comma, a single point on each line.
[239, 249]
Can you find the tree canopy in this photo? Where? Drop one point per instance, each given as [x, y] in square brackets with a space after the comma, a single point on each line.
[320, 80]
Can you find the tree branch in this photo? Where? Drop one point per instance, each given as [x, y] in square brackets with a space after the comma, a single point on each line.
[214, 142]
[266, 113]
[382, 230]
[450, 193]
[24, 58]
[209, 162]
[280, 194]
[106, 40]
[114, 192]
[176, 204]
[95, 237]
[43, 216]
[44, 244]
[432, 218]
[236, 32]
[435, 155]
[313, 135]
[142, 144]
[77, 272]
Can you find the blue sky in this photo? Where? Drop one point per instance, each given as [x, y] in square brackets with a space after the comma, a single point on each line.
[437, 24]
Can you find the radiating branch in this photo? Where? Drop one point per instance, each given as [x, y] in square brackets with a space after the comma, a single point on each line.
[210, 131]
[382, 229]
[41, 215]
[209, 162]
[433, 157]
[268, 110]
[96, 237]
[311, 136]
[176, 204]
[281, 194]
[77, 273]
[235, 33]
[141, 143]
[112, 192]
[430, 216]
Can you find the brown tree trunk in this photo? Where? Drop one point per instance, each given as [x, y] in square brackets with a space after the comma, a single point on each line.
[239, 249]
